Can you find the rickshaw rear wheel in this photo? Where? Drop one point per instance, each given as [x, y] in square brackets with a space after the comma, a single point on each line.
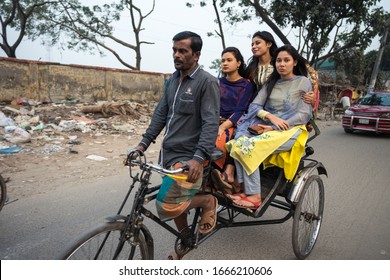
[308, 217]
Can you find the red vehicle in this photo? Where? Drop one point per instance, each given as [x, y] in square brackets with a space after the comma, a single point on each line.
[371, 113]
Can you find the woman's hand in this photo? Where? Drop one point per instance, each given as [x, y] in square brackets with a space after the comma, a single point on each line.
[309, 98]
[278, 122]
[221, 131]
[222, 127]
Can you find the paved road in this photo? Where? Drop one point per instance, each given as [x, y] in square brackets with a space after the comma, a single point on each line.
[356, 223]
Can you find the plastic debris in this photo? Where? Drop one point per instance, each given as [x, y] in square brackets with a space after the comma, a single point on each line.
[67, 125]
[10, 150]
[83, 119]
[51, 148]
[97, 158]
[15, 134]
[4, 121]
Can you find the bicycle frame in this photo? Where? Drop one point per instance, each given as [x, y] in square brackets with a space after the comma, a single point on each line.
[144, 195]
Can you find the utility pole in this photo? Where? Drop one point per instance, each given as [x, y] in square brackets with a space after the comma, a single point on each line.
[375, 71]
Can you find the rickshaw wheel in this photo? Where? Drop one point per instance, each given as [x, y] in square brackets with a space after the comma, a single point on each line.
[308, 217]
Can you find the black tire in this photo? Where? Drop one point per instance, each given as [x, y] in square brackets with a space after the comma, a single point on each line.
[347, 130]
[308, 217]
[3, 192]
[87, 246]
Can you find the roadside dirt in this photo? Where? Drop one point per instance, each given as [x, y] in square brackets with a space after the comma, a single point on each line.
[95, 146]
[35, 169]
[76, 157]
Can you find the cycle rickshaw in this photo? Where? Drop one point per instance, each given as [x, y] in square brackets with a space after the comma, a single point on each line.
[127, 237]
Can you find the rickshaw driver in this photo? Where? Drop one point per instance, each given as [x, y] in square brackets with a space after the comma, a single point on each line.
[189, 111]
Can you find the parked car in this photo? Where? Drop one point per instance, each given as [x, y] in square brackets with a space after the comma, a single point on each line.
[372, 113]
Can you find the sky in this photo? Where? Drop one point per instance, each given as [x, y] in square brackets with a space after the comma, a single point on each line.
[168, 18]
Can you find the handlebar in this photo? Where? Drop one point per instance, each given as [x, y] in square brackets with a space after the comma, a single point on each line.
[138, 158]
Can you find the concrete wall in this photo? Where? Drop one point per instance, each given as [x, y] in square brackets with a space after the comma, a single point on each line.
[42, 81]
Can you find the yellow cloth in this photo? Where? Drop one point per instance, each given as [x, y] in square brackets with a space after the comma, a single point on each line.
[251, 152]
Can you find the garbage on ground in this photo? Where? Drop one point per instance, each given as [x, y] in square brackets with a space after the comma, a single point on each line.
[74, 142]
[20, 111]
[32, 124]
[124, 127]
[83, 119]
[15, 134]
[109, 109]
[51, 148]
[10, 150]
[23, 101]
[67, 125]
[4, 121]
[97, 158]
[27, 102]
[66, 101]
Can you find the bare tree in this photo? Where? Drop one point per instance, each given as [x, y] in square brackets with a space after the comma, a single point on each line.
[91, 28]
[218, 33]
[73, 26]
[19, 16]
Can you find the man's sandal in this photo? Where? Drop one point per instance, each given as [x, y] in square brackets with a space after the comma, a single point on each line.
[208, 219]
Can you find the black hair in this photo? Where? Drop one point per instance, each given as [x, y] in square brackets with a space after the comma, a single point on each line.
[196, 40]
[251, 70]
[266, 36]
[237, 54]
[299, 69]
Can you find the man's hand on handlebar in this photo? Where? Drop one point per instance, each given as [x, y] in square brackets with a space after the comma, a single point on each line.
[135, 153]
[195, 170]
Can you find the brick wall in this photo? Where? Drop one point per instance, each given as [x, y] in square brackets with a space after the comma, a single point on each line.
[40, 81]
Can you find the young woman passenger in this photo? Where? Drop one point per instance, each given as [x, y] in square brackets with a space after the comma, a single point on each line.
[236, 94]
[260, 67]
[281, 111]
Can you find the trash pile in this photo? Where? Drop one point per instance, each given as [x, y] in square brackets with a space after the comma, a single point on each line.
[26, 124]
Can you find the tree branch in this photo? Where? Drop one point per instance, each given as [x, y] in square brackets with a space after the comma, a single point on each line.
[264, 15]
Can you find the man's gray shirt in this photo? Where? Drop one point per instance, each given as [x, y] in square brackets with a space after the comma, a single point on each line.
[189, 110]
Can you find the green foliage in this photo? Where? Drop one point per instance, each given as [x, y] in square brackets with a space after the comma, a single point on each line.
[384, 68]
[216, 65]
[318, 24]
[23, 16]
[381, 79]
[351, 62]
